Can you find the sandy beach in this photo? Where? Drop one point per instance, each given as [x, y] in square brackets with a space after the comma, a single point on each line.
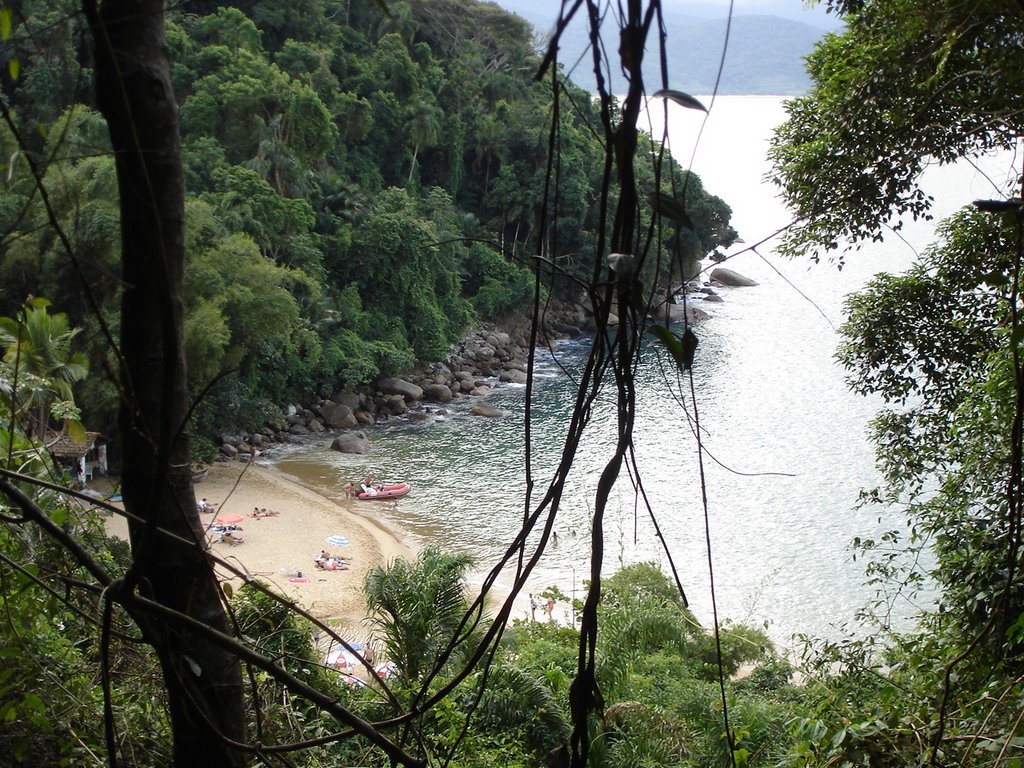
[275, 548]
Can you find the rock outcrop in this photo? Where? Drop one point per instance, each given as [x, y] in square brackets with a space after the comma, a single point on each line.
[351, 442]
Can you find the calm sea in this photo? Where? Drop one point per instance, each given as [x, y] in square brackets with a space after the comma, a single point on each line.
[785, 443]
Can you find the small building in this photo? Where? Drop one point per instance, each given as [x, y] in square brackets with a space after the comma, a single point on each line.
[84, 458]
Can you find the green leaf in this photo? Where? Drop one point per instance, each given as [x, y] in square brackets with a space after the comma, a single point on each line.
[14, 68]
[669, 208]
[680, 98]
[5, 23]
[996, 278]
[681, 348]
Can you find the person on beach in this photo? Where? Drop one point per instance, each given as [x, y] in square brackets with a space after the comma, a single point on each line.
[202, 506]
[534, 605]
[550, 609]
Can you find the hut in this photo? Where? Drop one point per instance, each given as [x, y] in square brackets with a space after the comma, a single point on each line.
[81, 458]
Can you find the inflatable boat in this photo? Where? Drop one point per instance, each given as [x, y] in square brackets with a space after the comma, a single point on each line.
[385, 492]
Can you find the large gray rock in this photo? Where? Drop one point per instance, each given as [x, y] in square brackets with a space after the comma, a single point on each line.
[678, 313]
[349, 398]
[731, 278]
[438, 393]
[351, 442]
[394, 405]
[513, 377]
[337, 416]
[406, 389]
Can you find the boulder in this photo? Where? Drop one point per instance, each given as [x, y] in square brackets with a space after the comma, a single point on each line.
[395, 405]
[438, 393]
[348, 398]
[351, 442]
[513, 377]
[406, 389]
[678, 313]
[483, 409]
[337, 416]
[731, 278]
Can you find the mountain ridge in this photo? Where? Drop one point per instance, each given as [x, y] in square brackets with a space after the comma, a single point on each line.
[765, 53]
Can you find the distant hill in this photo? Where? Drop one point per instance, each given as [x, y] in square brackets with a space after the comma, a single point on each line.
[765, 54]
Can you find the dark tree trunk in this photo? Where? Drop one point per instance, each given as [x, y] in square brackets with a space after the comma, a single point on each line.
[134, 94]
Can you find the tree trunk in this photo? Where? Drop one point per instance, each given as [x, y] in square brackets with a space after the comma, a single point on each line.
[134, 94]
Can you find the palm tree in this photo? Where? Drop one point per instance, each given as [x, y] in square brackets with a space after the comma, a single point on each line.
[424, 128]
[37, 348]
[417, 607]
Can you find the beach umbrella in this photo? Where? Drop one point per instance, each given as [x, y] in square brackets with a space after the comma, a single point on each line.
[338, 541]
[228, 519]
[343, 658]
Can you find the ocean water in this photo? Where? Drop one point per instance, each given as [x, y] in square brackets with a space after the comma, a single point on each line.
[785, 451]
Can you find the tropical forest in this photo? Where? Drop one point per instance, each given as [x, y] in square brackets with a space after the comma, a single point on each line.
[216, 215]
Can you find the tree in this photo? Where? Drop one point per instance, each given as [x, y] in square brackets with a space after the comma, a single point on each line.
[37, 347]
[417, 606]
[908, 83]
[851, 154]
[424, 128]
[203, 680]
[404, 257]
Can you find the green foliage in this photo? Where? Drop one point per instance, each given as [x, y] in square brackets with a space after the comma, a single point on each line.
[40, 366]
[905, 83]
[931, 342]
[51, 710]
[416, 606]
[395, 162]
[495, 284]
[520, 705]
[658, 678]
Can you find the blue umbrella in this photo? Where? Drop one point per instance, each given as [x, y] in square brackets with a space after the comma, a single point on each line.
[338, 541]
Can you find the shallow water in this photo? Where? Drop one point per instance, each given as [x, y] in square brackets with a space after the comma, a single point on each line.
[785, 448]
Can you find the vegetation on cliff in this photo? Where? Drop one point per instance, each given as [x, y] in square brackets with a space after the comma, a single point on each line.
[362, 188]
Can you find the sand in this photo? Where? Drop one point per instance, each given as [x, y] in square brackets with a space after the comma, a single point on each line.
[275, 548]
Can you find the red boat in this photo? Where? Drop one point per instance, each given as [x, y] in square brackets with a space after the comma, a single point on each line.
[385, 492]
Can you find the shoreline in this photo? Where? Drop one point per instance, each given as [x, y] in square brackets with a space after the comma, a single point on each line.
[274, 549]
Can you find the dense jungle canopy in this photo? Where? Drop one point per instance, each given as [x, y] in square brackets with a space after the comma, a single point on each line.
[309, 195]
[362, 189]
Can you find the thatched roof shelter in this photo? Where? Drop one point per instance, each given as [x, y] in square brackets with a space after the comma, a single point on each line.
[64, 446]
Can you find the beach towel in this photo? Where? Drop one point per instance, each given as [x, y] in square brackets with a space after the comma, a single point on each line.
[338, 541]
[301, 580]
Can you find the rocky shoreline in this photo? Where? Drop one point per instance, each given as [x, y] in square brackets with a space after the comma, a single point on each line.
[483, 358]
